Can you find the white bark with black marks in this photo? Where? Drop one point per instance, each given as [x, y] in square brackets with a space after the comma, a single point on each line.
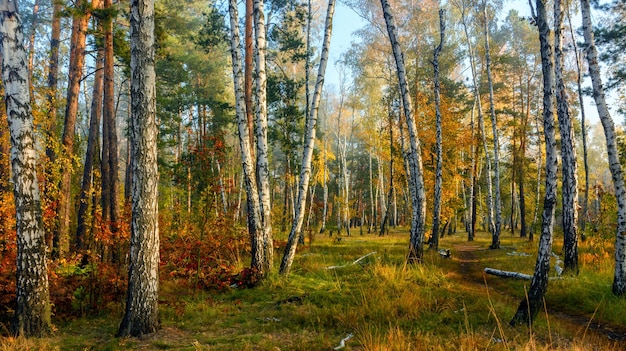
[530, 306]
[497, 205]
[32, 313]
[262, 161]
[309, 145]
[619, 279]
[568, 150]
[416, 183]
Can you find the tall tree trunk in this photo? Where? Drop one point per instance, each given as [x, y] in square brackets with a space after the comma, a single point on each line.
[434, 239]
[387, 214]
[141, 315]
[32, 312]
[568, 150]
[530, 306]
[309, 145]
[481, 124]
[91, 157]
[416, 183]
[254, 208]
[583, 125]
[495, 238]
[110, 165]
[61, 240]
[619, 279]
[263, 174]
[325, 190]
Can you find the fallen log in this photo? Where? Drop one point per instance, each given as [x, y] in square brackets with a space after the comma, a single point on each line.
[507, 274]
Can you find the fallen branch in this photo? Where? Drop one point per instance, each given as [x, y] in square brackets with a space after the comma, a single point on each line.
[342, 343]
[507, 274]
[353, 263]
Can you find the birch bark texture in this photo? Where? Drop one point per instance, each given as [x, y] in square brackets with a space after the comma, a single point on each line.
[32, 313]
[530, 306]
[249, 172]
[568, 150]
[262, 161]
[434, 239]
[309, 145]
[416, 178]
[497, 205]
[619, 279]
[141, 315]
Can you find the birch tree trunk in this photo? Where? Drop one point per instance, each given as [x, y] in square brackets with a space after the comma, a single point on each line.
[416, 183]
[262, 164]
[619, 279]
[248, 164]
[141, 315]
[495, 237]
[568, 150]
[583, 125]
[309, 145]
[481, 125]
[530, 306]
[91, 157]
[434, 239]
[32, 312]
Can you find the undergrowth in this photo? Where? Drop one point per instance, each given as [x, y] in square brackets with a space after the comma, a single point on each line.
[378, 303]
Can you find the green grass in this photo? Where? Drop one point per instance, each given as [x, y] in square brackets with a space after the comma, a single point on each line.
[442, 304]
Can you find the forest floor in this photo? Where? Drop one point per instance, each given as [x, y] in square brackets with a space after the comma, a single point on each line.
[377, 303]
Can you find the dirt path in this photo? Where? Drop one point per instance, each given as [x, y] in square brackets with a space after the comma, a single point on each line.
[470, 269]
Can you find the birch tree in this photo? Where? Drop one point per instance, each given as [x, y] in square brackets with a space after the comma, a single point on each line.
[309, 144]
[434, 239]
[532, 304]
[32, 312]
[619, 279]
[497, 205]
[248, 164]
[262, 162]
[141, 316]
[568, 150]
[416, 178]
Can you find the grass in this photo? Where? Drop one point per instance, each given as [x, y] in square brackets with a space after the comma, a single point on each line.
[443, 304]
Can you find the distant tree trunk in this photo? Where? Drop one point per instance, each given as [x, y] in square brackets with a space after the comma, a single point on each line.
[309, 145]
[262, 165]
[538, 189]
[481, 124]
[32, 312]
[568, 151]
[141, 315]
[434, 239]
[31, 45]
[387, 214]
[584, 216]
[473, 179]
[372, 203]
[619, 279]
[325, 191]
[495, 240]
[416, 183]
[91, 157]
[61, 240]
[533, 303]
